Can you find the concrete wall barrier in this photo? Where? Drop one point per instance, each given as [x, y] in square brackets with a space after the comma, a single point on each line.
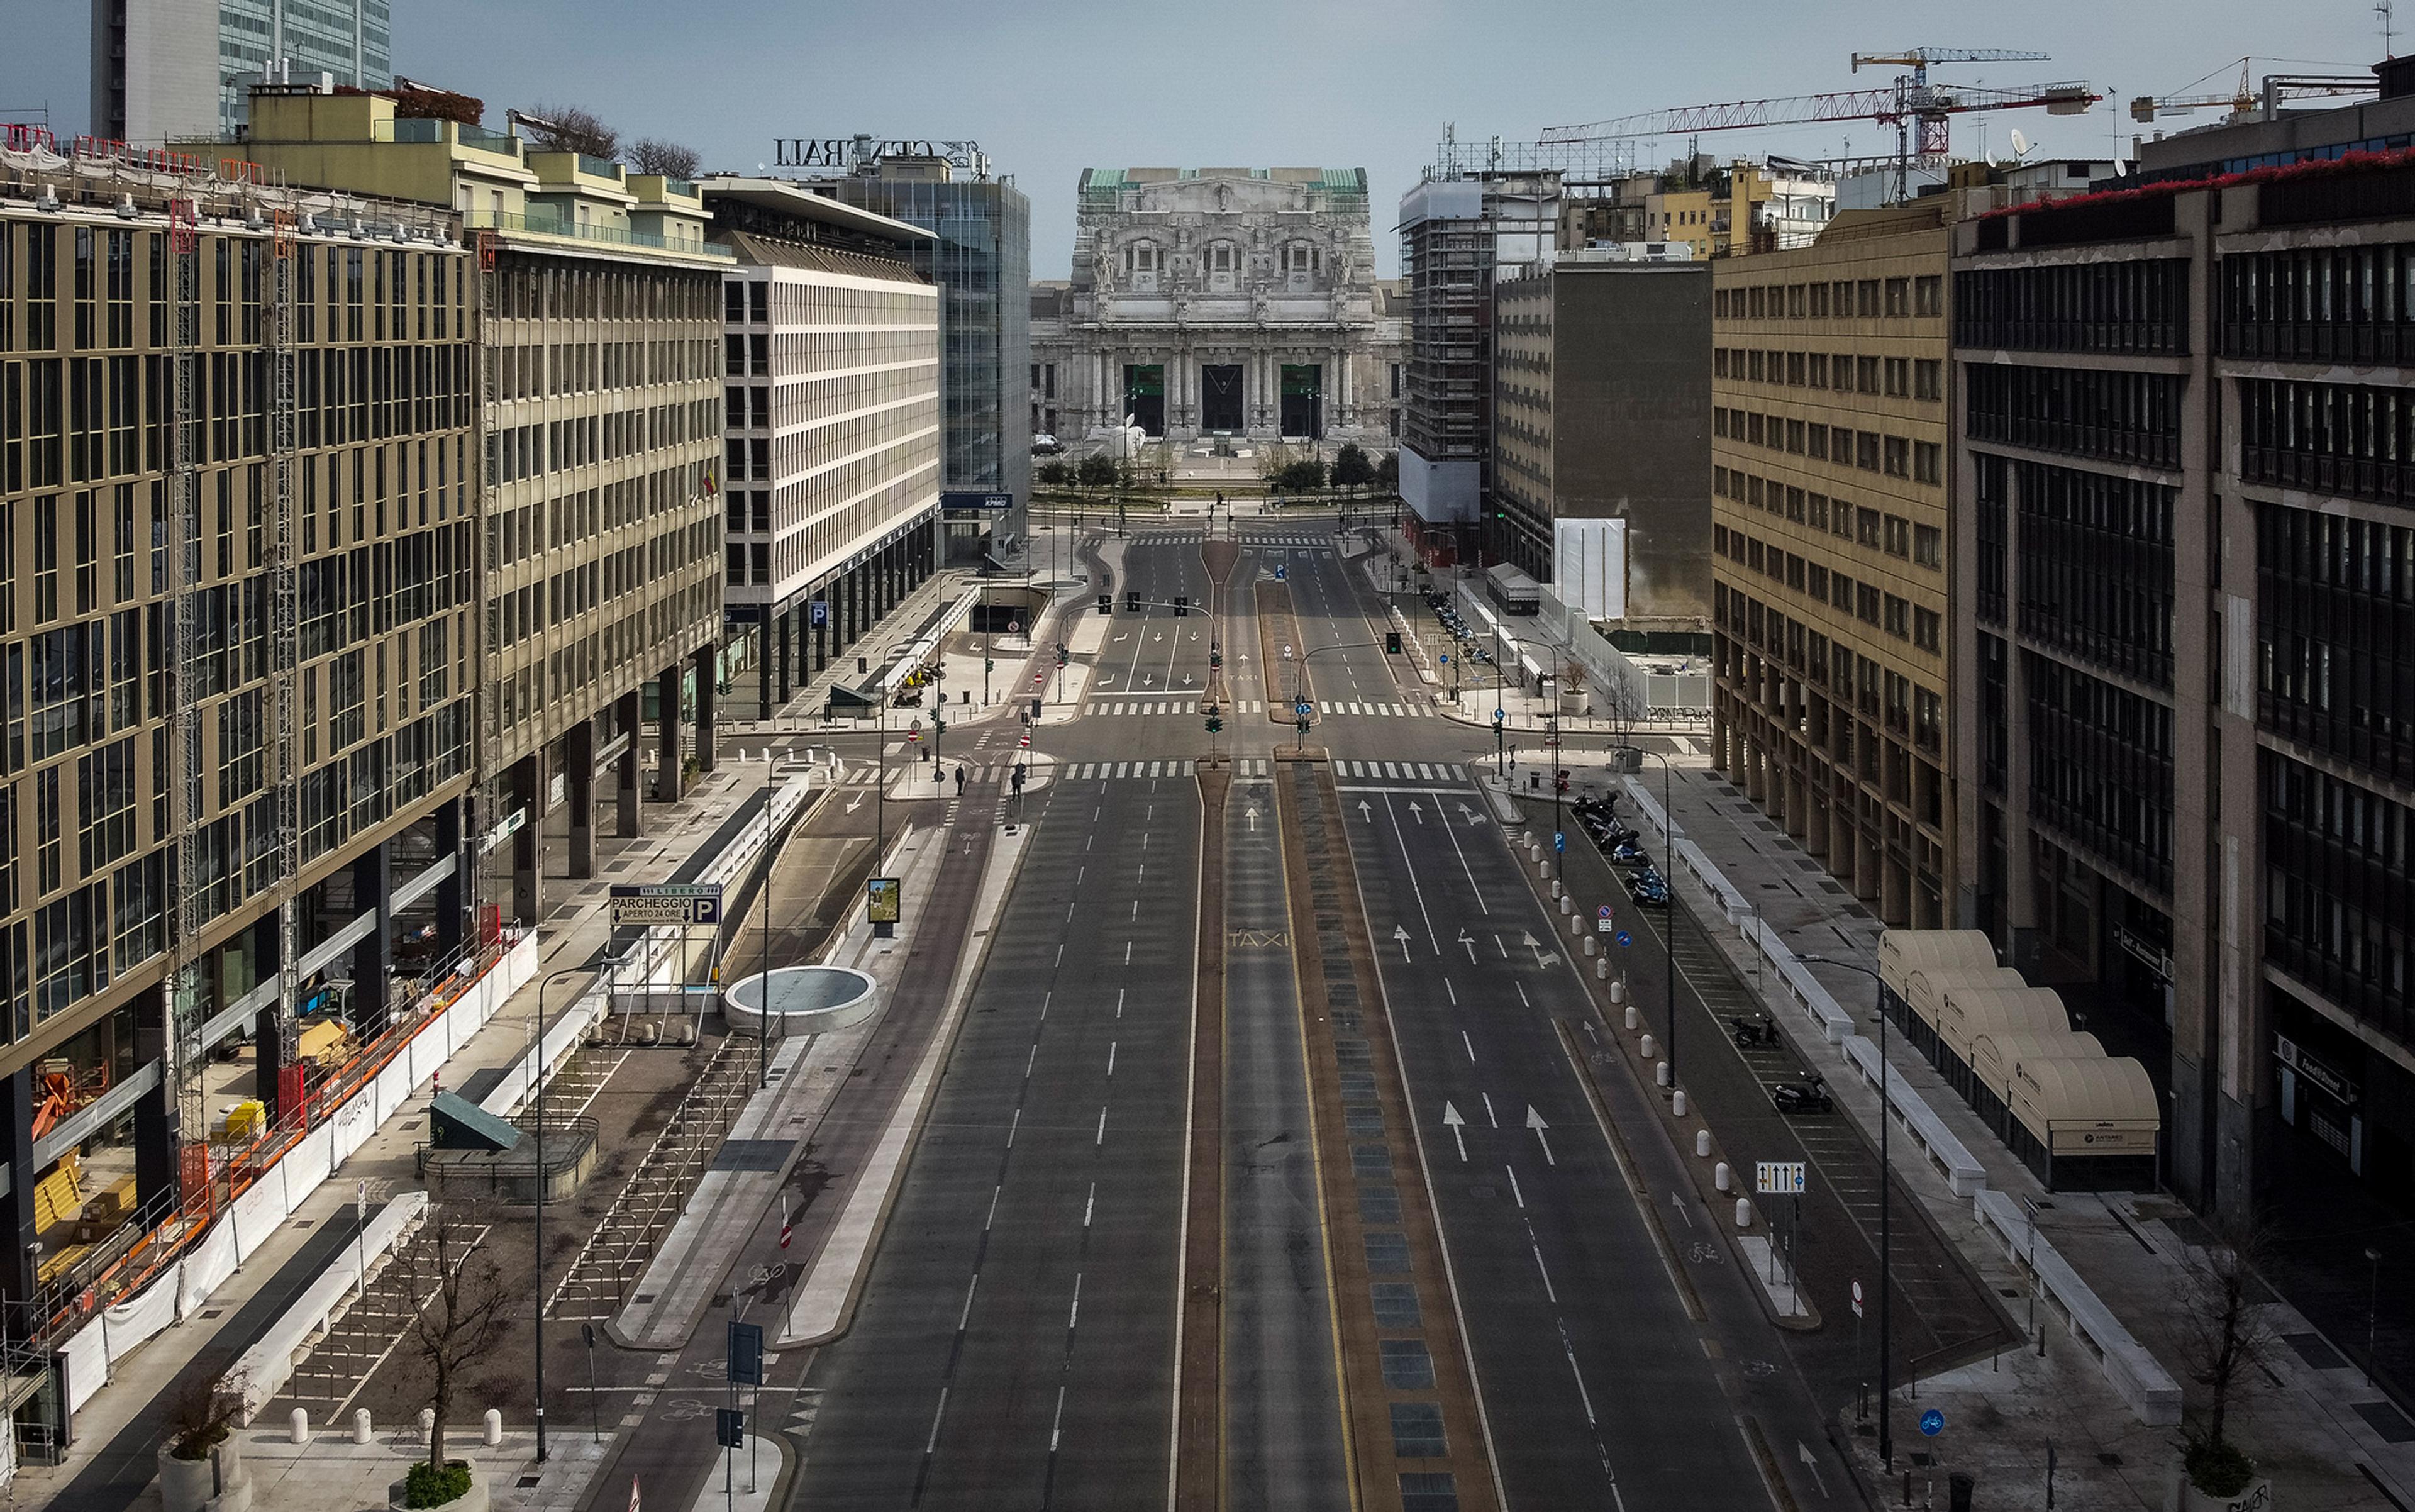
[268, 1365]
[1963, 1173]
[2134, 1374]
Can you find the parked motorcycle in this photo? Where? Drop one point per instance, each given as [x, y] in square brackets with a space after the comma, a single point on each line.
[1753, 1032]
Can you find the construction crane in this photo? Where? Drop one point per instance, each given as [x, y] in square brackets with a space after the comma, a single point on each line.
[2250, 104]
[1910, 104]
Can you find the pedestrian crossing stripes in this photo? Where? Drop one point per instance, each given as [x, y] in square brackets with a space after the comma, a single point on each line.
[1246, 542]
[1402, 770]
[868, 775]
[1138, 706]
[1112, 771]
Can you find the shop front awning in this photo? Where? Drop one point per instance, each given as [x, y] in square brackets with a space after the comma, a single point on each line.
[1966, 1010]
[1903, 951]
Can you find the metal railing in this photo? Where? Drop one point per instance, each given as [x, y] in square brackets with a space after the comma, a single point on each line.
[505, 220]
[477, 137]
[165, 1224]
[599, 167]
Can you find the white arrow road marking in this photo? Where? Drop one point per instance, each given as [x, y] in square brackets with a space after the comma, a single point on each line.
[1417, 812]
[1534, 1122]
[1470, 814]
[1253, 818]
[855, 802]
[1366, 811]
[1469, 940]
[1490, 1116]
[1813, 1465]
[1400, 932]
[1453, 1121]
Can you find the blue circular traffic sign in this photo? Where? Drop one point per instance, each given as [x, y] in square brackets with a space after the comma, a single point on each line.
[1625, 938]
[1496, 716]
[1932, 1422]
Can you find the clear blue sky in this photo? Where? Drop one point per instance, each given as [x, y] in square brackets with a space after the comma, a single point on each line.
[1049, 88]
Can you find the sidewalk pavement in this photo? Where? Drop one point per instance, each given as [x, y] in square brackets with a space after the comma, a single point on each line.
[111, 1461]
[2299, 1416]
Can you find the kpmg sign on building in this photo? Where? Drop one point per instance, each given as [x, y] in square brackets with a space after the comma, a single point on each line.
[975, 500]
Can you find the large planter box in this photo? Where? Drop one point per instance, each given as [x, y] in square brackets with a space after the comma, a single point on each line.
[472, 1500]
[2185, 1497]
[217, 1484]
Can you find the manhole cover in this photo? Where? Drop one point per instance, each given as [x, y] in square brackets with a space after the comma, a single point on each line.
[304, 1222]
[526, 1482]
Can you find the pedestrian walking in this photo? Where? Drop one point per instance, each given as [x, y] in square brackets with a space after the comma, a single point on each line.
[960, 782]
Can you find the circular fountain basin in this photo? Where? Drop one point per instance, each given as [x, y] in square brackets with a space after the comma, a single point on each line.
[804, 1000]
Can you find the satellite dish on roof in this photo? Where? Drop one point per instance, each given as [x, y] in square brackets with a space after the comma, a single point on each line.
[2020, 143]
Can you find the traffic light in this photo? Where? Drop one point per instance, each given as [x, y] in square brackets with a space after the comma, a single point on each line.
[1215, 660]
[1392, 642]
[1182, 604]
[1132, 601]
[1019, 771]
[1215, 724]
[989, 664]
[1060, 653]
[1106, 603]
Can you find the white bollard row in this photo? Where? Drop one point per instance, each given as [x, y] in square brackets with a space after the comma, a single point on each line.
[1633, 1018]
[1661, 1074]
[1702, 1143]
[1649, 1043]
[1677, 1103]
[494, 1428]
[1722, 1176]
[298, 1426]
[1744, 1212]
[361, 1425]
[1601, 970]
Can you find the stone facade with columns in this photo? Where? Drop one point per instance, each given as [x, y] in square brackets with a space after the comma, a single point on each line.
[1219, 302]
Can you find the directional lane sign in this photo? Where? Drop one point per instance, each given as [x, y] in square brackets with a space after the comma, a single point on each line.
[1779, 1179]
[670, 902]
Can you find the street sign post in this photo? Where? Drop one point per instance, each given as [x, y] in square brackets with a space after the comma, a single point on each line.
[746, 1353]
[666, 903]
[1624, 938]
[1780, 1178]
[1560, 841]
[1932, 1422]
[1603, 923]
[817, 614]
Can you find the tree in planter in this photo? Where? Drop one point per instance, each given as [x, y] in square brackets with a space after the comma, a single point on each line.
[1096, 472]
[2224, 1337]
[457, 1296]
[201, 1415]
[1387, 473]
[1351, 467]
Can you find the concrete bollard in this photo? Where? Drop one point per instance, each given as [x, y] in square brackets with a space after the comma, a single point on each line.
[1661, 1074]
[1744, 1212]
[1677, 1103]
[494, 1428]
[1703, 1143]
[1555, 890]
[426, 1424]
[1601, 970]
[297, 1426]
[1633, 1018]
[1618, 995]
[1721, 1176]
[1543, 868]
[361, 1425]
[1588, 945]
[1650, 1044]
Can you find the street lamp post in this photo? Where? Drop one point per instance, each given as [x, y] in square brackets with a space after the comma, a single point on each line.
[2372, 1309]
[537, 1264]
[1887, 1212]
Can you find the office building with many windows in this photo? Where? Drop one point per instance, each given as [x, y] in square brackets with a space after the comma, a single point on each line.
[831, 394]
[980, 257]
[183, 68]
[599, 317]
[238, 656]
[2189, 590]
[1830, 523]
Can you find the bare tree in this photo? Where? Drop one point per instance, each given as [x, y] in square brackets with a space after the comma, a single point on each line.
[649, 155]
[201, 1413]
[456, 1295]
[2223, 1333]
[571, 129]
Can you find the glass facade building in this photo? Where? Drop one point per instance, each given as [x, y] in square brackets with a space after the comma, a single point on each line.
[167, 69]
[981, 262]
